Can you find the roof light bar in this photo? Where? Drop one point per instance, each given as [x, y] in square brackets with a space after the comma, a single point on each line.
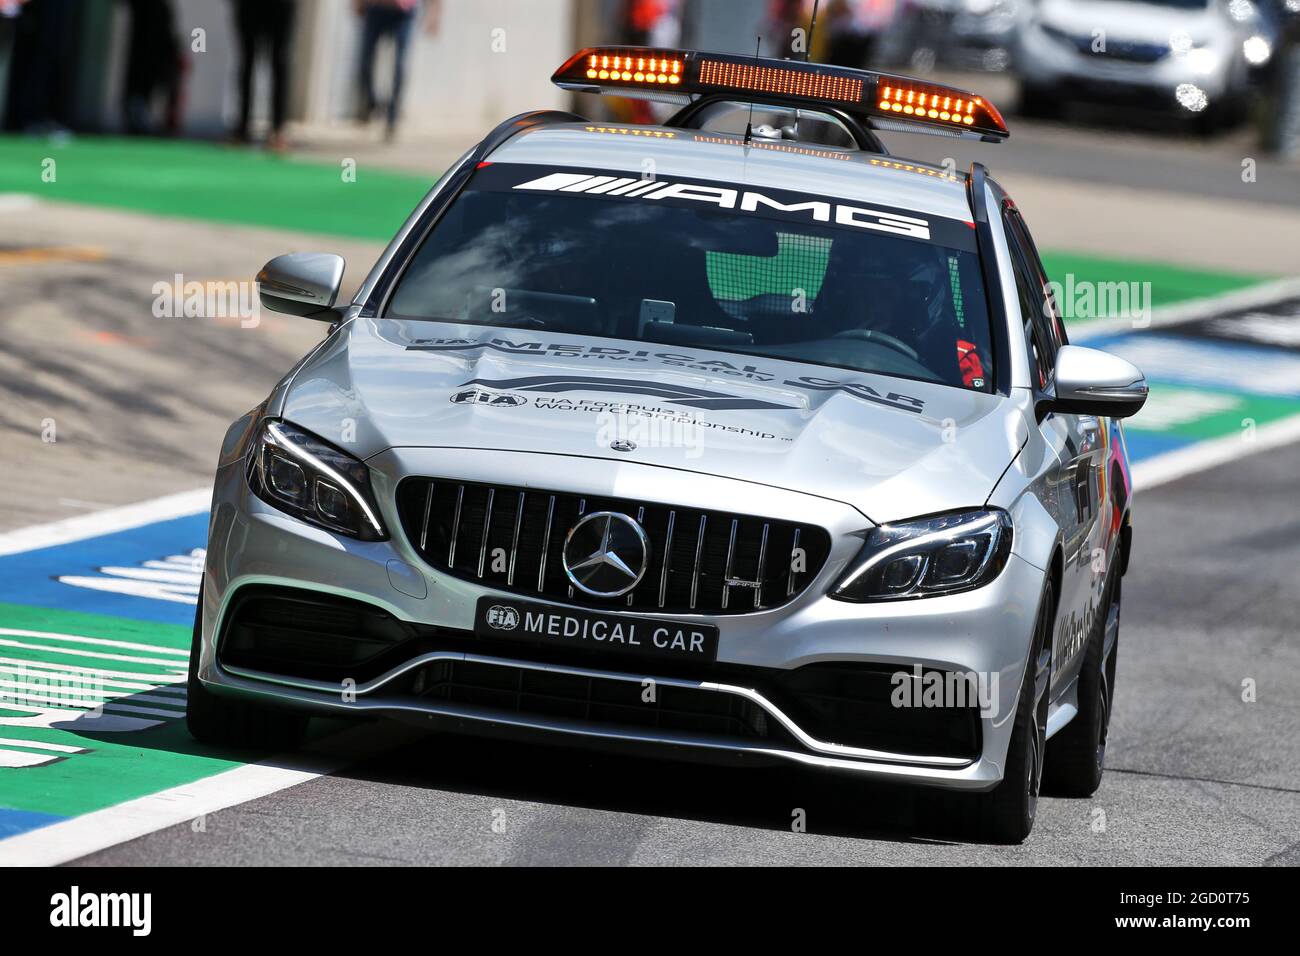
[685, 75]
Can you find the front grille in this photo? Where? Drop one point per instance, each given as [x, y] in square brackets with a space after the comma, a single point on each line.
[704, 562]
[598, 700]
[1129, 51]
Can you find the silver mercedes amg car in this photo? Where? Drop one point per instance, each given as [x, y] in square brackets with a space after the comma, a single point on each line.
[731, 438]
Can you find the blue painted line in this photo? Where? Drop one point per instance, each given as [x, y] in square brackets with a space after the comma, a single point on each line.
[31, 577]
[1181, 360]
[1143, 445]
[14, 822]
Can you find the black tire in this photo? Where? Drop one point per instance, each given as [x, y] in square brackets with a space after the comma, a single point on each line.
[231, 722]
[1006, 813]
[1039, 102]
[1076, 755]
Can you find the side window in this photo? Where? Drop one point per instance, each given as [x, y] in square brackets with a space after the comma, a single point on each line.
[1033, 303]
[1052, 315]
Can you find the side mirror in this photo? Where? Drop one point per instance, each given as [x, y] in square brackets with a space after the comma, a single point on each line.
[302, 283]
[1093, 382]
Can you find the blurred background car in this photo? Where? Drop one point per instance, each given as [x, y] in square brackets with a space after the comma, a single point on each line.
[1194, 58]
[955, 34]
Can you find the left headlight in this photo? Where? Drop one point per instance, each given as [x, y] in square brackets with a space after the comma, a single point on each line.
[928, 557]
[301, 474]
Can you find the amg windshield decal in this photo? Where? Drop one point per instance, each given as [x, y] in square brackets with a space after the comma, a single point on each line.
[781, 204]
[724, 197]
[674, 394]
[671, 394]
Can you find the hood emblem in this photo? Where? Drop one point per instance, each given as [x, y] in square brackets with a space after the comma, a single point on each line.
[606, 554]
[622, 444]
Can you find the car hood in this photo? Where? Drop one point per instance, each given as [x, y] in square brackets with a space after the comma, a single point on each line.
[1127, 21]
[892, 448]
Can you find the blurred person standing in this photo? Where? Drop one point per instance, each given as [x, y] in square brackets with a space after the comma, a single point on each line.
[394, 19]
[9, 10]
[264, 27]
[783, 18]
[153, 66]
[652, 23]
[853, 27]
[40, 75]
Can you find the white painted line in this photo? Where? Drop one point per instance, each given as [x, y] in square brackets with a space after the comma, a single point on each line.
[16, 202]
[178, 505]
[71, 839]
[33, 665]
[44, 678]
[39, 690]
[29, 702]
[1266, 293]
[92, 832]
[77, 652]
[41, 745]
[186, 576]
[176, 593]
[96, 641]
[21, 759]
[1209, 454]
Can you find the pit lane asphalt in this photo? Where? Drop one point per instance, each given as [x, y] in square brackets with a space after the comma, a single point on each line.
[1195, 774]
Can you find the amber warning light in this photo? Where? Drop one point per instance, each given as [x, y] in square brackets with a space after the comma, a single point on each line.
[683, 76]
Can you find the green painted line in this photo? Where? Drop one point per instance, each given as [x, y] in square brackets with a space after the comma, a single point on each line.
[195, 180]
[25, 617]
[116, 766]
[1170, 284]
[1199, 413]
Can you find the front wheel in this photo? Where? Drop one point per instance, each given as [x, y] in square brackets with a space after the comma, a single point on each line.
[1077, 755]
[1006, 813]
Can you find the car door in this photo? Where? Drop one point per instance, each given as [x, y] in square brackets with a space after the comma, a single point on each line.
[1078, 443]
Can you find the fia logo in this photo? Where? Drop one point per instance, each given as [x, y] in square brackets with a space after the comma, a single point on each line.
[502, 618]
[481, 396]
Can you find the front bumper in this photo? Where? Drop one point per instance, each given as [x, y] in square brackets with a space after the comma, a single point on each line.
[986, 632]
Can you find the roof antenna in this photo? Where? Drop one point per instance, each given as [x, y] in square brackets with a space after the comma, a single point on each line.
[749, 123]
[807, 55]
[812, 28]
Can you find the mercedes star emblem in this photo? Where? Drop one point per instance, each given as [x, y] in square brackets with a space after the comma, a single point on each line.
[606, 554]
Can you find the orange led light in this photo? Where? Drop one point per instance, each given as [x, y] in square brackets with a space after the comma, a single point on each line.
[628, 68]
[941, 105]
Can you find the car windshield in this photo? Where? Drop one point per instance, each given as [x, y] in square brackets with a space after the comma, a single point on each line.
[707, 266]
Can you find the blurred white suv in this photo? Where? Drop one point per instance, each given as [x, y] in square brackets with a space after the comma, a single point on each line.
[1185, 56]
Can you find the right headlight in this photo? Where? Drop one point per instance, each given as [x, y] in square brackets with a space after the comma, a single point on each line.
[293, 470]
[927, 557]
